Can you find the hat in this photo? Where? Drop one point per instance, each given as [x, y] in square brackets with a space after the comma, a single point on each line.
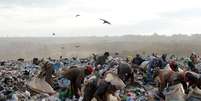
[89, 69]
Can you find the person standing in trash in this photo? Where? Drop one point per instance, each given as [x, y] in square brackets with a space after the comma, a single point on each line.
[194, 79]
[103, 89]
[47, 71]
[102, 59]
[125, 72]
[192, 62]
[98, 88]
[154, 55]
[153, 64]
[136, 62]
[164, 61]
[76, 75]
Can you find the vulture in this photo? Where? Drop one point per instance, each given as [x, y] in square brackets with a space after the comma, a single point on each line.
[77, 15]
[105, 21]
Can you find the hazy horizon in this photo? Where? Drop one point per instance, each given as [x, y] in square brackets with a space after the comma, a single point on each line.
[143, 35]
[181, 45]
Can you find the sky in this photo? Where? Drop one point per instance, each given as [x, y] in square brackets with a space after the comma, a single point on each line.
[41, 18]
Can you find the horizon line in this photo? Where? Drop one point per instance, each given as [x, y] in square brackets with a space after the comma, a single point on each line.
[139, 35]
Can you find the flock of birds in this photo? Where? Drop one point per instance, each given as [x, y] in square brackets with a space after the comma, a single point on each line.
[104, 22]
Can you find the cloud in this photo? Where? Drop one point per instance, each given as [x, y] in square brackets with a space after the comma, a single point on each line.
[33, 3]
[41, 17]
[183, 13]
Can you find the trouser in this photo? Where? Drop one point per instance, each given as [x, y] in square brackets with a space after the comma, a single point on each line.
[149, 75]
[76, 86]
[89, 90]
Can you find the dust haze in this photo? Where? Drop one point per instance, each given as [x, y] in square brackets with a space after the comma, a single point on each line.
[128, 45]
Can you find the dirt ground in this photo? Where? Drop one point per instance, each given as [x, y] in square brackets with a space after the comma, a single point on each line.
[13, 48]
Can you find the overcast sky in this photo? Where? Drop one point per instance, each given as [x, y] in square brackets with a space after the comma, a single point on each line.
[43, 17]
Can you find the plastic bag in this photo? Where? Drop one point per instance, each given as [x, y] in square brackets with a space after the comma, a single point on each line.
[110, 97]
[175, 93]
[194, 95]
[115, 80]
[63, 82]
[41, 86]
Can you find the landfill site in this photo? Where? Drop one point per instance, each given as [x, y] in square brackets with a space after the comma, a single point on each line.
[100, 50]
[108, 75]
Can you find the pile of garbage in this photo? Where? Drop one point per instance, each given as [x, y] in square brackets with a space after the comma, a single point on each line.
[17, 76]
[11, 80]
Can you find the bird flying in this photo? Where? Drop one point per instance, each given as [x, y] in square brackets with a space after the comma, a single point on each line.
[105, 21]
[77, 15]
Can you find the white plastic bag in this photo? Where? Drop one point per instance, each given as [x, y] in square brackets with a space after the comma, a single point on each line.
[175, 93]
[41, 86]
[194, 95]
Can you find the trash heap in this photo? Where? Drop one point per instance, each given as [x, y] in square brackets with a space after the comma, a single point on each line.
[11, 80]
[138, 92]
[16, 76]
